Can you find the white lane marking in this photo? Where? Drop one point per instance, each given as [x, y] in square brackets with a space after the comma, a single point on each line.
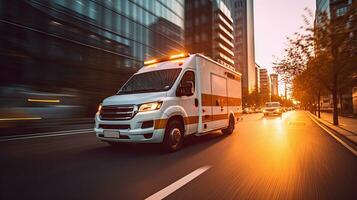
[42, 135]
[334, 136]
[178, 184]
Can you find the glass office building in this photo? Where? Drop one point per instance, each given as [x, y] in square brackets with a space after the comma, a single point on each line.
[243, 20]
[80, 51]
[209, 29]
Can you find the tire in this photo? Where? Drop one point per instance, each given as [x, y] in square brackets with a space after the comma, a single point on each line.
[231, 123]
[174, 134]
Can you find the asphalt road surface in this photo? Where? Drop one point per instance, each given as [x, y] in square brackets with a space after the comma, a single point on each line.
[265, 158]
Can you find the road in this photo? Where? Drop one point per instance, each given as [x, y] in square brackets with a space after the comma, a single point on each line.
[265, 158]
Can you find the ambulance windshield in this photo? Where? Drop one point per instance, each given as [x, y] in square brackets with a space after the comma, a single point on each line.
[154, 81]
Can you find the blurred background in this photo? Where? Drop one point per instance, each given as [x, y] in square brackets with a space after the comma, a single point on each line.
[60, 58]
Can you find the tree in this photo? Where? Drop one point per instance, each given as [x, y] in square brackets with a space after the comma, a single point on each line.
[321, 58]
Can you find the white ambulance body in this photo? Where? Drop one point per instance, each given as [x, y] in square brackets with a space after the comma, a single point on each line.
[171, 98]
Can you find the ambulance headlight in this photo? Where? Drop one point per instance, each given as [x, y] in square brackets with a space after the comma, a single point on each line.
[150, 106]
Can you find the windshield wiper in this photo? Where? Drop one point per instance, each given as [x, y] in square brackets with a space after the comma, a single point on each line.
[139, 91]
[124, 92]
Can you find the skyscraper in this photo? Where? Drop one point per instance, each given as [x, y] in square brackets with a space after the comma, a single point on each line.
[257, 78]
[274, 84]
[209, 29]
[265, 84]
[243, 19]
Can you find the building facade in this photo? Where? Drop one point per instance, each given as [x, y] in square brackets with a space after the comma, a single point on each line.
[274, 84]
[265, 85]
[209, 29]
[82, 50]
[257, 77]
[243, 19]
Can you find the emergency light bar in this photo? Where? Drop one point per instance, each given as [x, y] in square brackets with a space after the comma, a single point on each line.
[172, 57]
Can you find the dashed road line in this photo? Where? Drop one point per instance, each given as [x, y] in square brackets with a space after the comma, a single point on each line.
[178, 184]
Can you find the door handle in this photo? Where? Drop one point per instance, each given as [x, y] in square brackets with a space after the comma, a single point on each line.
[196, 102]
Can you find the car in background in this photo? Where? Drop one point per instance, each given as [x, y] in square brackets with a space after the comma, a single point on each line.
[247, 110]
[258, 110]
[272, 108]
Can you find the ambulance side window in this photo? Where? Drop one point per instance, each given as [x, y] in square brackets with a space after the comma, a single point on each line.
[188, 77]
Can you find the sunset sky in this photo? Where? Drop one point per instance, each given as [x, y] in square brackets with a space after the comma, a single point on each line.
[274, 20]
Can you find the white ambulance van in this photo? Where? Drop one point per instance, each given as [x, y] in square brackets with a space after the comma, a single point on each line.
[171, 98]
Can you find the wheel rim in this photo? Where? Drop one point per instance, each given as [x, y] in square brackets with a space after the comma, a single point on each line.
[175, 136]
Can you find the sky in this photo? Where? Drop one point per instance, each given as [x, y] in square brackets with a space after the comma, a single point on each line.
[274, 20]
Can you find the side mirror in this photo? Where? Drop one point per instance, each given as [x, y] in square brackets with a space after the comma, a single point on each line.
[185, 89]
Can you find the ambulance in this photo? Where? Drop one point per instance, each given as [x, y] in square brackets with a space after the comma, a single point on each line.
[169, 99]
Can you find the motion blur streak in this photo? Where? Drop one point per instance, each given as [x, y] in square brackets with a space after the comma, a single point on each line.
[77, 53]
[20, 118]
[44, 100]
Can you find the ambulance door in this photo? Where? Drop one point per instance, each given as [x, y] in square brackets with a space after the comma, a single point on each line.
[219, 101]
[190, 103]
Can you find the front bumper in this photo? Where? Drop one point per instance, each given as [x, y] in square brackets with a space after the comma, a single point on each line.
[133, 134]
[275, 112]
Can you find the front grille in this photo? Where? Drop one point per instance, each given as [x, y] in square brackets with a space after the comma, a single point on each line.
[117, 112]
[114, 126]
[270, 109]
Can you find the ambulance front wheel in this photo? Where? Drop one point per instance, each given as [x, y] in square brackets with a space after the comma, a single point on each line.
[174, 134]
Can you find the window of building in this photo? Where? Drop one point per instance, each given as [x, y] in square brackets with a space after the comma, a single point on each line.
[197, 38]
[341, 11]
[197, 21]
[204, 36]
[197, 4]
[203, 18]
[238, 4]
[92, 10]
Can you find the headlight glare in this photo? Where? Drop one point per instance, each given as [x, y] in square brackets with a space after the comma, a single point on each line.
[150, 106]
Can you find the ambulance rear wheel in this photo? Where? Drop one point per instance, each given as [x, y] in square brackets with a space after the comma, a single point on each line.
[173, 137]
[230, 128]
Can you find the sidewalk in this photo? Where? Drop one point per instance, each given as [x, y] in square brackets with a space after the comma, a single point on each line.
[347, 126]
[350, 124]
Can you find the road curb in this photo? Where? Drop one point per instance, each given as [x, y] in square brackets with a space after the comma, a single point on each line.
[342, 134]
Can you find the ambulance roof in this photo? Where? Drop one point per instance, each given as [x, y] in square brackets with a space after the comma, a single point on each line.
[179, 62]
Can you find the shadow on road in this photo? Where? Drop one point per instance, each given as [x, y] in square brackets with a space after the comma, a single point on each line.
[192, 144]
